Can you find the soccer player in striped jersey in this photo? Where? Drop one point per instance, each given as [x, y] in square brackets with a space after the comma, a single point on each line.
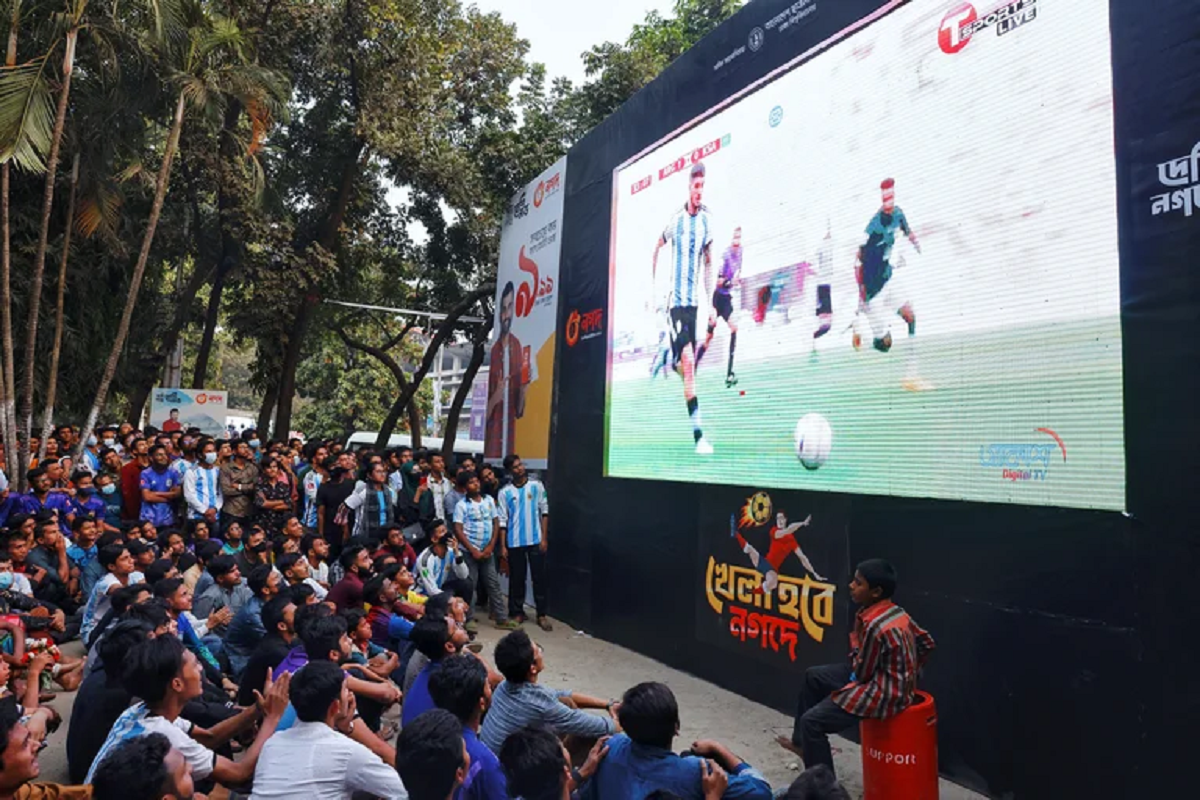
[880, 294]
[524, 514]
[690, 235]
[722, 303]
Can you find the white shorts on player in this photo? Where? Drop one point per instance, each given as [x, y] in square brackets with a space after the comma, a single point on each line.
[881, 310]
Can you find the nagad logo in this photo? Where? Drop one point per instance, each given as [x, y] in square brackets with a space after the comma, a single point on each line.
[1023, 461]
[546, 188]
[201, 399]
[532, 289]
[581, 327]
[962, 22]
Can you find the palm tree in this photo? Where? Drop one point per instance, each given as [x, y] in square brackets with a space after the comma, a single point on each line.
[213, 66]
[74, 21]
[56, 351]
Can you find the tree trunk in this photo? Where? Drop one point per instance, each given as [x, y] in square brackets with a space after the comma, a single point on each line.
[263, 426]
[137, 401]
[291, 361]
[39, 259]
[8, 413]
[139, 271]
[56, 349]
[431, 352]
[200, 373]
[464, 391]
[416, 425]
[231, 246]
[330, 232]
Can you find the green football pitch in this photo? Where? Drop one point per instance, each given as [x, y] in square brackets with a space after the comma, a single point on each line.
[993, 387]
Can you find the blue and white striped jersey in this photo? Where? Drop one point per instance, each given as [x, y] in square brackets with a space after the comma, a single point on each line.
[521, 511]
[690, 236]
[202, 490]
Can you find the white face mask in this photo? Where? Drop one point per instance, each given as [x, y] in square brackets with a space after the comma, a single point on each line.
[210, 457]
[109, 442]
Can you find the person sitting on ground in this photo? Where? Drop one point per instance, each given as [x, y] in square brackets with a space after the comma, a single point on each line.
[142, 551]
[461, 687]
[315, 550]
[408, 602]
[887, 650]
[19, 763]
[395, 545]
[118, 564]
[295, 569]
[520, 701]
[166, 676]
[316, 757]
[233, 534]
[640, 760]
[41, 720]
[197, 576]
[431, 756]
[257, 550]
[442, 567]
[247, 627]
[303, 595]
[818, 783]
[227, 591]
[161, 569]
[81, 552]
[279, 619]
[102, 697]
[348, 592]
[437, 638]
[388, 630]
[538, 767]
[380, 660]
[144, 768]
[122, 600]
[177, 599]
[93, 571]
[48, 558]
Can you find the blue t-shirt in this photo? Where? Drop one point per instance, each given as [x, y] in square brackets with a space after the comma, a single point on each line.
[59, 502]
[418, 700]
[636, 770]
[485, 777]
[161, 514]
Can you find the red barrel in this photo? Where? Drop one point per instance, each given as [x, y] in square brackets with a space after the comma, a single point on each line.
[899, 754]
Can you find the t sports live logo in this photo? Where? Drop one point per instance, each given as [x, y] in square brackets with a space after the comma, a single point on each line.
[1023, 461]
[962, 22]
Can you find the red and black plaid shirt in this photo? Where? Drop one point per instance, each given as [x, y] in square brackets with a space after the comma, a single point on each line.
[887, 650]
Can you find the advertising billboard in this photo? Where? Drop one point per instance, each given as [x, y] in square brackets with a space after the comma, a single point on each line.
[180, 409]
[521, 369]
[890, 267]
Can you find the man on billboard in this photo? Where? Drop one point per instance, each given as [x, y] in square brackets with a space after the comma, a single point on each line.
[689, 233]
[172, 424]
[879, 294]
[511, 371]
[722, 303]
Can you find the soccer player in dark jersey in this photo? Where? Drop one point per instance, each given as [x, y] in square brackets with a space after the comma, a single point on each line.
[722, 303]
[879, 294]
[690, 235]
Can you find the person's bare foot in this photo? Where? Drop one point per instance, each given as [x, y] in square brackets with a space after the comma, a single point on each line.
[788, 745]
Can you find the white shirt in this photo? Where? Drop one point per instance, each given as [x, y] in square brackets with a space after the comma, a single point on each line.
[138, 721]
[313, 761]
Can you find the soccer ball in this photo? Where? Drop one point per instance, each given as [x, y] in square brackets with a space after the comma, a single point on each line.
[814, 440]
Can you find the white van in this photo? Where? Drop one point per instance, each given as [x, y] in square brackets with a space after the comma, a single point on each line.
[462, 447]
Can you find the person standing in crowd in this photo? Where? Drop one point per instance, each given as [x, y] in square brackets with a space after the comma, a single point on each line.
[239, 483]
[317, 474]
[489, 481]
[461, 687]
[374, 504]
[477, 527]
[39, 499]
[131, 480]
[438, 485]
[316, 758]
[161, 487]
[331, 497]
[90, 460]
[457, 493]
[888, 649]
[524, 511]
[273, 498]
[202, 487]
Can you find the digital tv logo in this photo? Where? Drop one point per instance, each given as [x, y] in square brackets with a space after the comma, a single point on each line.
[1023, 461]
[962, 22]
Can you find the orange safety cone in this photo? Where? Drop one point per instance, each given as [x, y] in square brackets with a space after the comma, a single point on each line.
[899, 754]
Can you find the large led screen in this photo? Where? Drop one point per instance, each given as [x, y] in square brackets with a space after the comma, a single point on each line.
[891, 268]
